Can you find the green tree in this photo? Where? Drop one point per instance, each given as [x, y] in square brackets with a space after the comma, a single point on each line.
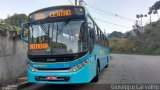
[16, 19]
[115, 34]
[154, 9]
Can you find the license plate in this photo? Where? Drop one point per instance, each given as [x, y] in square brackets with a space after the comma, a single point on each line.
[51, 78]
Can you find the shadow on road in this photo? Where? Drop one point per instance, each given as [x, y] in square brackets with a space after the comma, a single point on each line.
[91, 86]
[63, 87]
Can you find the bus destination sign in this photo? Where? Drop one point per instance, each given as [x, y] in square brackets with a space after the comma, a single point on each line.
[57, 13]
[61, 13]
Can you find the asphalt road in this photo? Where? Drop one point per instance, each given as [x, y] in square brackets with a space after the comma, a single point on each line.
[123, 69]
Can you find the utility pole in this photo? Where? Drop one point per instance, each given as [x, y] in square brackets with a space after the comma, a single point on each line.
[75, 2]
[150, 13]
[80, 2]
[150, 19]
[141, 16]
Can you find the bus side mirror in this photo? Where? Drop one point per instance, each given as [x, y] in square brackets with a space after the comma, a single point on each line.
[24, 32]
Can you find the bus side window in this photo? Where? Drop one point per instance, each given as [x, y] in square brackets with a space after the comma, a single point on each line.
[107, 42]
[96, 33]
[83, 38]
[101, 38]
[92, 37]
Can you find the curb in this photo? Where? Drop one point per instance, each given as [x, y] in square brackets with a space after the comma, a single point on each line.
[23, 85]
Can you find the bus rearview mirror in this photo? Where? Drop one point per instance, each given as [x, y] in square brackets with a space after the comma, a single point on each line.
[24, 32]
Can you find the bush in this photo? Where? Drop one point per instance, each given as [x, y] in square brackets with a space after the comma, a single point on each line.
[13, 30]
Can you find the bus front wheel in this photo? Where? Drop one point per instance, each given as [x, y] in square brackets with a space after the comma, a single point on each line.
[96, 78]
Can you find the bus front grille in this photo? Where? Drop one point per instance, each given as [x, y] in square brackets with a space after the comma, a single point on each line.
[55, 58]
[52, 60]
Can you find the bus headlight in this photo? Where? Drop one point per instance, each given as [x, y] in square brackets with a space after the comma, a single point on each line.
[79, 66]
[31, 68]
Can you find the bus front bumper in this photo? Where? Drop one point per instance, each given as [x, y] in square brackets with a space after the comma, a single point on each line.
[81, 76]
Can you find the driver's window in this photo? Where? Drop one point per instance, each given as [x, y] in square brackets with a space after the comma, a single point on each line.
[91, 32]
[83, 45]
[90, 23]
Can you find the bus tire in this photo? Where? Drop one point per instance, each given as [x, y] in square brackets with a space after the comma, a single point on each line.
[107, 63]
[96, 78]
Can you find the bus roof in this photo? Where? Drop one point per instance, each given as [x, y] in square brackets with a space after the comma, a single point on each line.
[54, 7]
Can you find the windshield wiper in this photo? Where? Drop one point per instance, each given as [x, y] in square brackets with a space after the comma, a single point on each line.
[44, 29]
[59, 30]
[63, 26]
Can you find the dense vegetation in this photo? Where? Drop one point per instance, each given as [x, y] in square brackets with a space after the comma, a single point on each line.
[12, 24]
[147, 42]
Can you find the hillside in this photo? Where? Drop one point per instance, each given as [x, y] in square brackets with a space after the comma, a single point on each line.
[147, 42]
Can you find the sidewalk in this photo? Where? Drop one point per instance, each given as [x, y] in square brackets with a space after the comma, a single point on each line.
[21, 82]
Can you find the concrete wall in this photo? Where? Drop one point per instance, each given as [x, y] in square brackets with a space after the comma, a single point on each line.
[12, 59]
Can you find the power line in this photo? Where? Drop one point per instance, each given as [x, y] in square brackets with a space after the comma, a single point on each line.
[100, 13]
[112, 23]
[84, 3]
[111, 14]
[106, 16]
[107, 13]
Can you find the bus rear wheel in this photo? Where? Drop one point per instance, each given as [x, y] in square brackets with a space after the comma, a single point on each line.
[107, 63]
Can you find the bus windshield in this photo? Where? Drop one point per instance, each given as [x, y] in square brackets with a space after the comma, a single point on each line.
[65, 37]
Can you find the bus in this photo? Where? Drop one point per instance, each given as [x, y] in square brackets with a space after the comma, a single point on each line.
[65, 46]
